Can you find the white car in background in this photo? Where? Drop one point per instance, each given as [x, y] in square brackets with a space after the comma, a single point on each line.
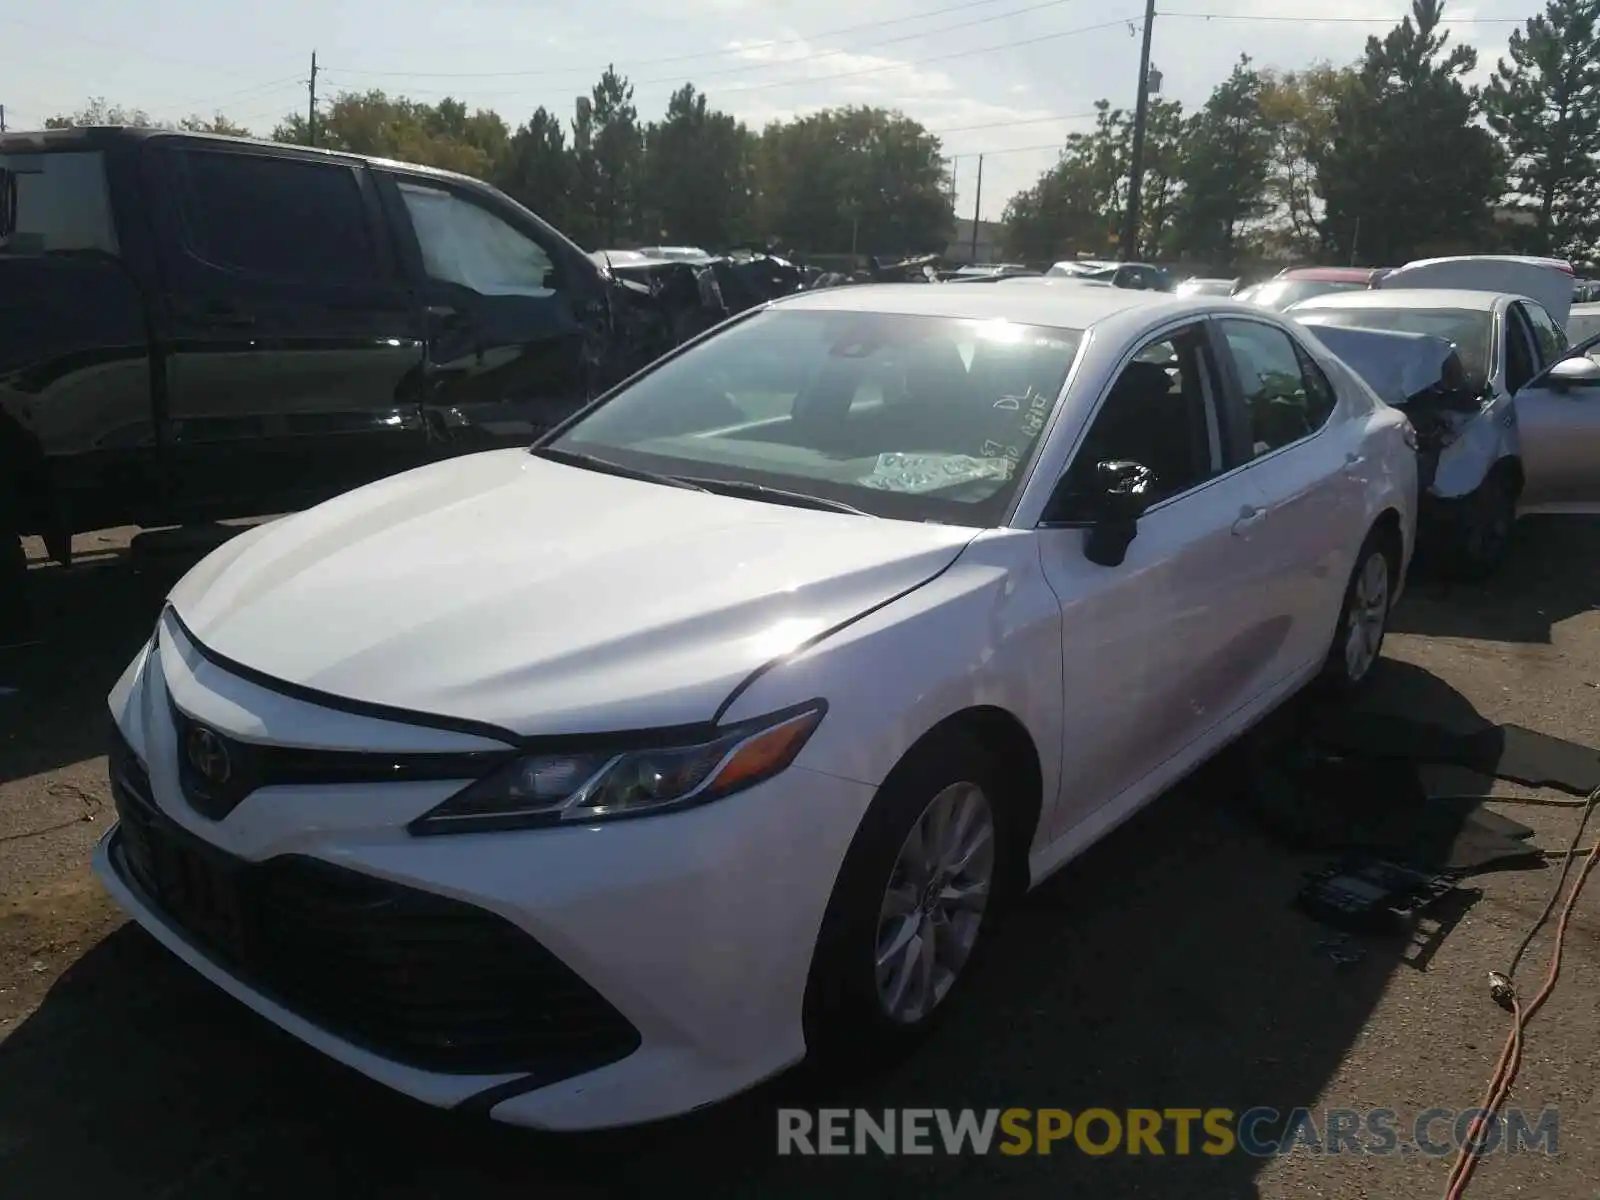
[590, 784]
[1519, 432]
[1583, 324]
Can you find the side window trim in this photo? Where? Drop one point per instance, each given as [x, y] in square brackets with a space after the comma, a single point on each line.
[1233, 372]
[1210, 387]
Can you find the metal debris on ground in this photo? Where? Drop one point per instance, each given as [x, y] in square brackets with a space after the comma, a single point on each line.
[1368, 895]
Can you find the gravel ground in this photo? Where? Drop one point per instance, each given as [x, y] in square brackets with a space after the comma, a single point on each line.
[1163, 969]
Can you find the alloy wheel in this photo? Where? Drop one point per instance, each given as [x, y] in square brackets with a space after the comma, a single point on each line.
[934, 906]
[1366, 618]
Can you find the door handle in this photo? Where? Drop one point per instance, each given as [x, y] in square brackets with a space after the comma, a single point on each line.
[1248, 520]
[1351, 461]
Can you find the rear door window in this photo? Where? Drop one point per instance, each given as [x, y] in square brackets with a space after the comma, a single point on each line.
[1286, 395]
[55, 202]
[275, 219]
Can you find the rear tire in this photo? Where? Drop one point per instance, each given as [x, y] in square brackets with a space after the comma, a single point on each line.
[1363, 617]
[913, 906]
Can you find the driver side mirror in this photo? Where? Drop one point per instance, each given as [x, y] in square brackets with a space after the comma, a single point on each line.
[1579, 372]
[1119, 493]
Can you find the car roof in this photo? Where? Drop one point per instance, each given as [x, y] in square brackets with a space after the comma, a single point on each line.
[1591, 309]
[1404, 298]
[102, 137]
[1076, 307]
[1328, 274]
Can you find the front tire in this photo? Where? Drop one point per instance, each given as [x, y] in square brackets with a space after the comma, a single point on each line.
[1481, 534]
[913, 906]
[1363, 617]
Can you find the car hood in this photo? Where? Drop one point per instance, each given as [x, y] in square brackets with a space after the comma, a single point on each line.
[1396, 365]
[543, 598]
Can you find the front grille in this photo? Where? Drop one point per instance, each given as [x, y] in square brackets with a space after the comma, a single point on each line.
[412, 976]
[220, 773]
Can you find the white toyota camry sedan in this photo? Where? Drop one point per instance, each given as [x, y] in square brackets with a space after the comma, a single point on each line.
[588, 784]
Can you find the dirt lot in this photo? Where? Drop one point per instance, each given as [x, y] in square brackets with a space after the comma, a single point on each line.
[1164, 969]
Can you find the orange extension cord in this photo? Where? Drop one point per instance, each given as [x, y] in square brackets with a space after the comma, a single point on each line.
[1505, 993]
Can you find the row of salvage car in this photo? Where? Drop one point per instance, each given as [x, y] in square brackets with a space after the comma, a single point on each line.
[1496, 367]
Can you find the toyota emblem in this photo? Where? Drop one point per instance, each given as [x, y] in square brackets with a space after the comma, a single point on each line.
[208, 754]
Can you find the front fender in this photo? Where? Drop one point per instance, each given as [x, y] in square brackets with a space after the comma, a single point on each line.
[1482, 441]
[987, 632]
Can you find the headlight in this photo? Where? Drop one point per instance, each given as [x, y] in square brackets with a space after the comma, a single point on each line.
[597, 785]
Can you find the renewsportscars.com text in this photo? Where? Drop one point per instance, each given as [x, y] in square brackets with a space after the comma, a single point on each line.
[1259, 1132]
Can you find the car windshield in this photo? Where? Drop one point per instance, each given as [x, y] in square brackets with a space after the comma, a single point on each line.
[1470, 329]
[911, 417]
[1281, 293]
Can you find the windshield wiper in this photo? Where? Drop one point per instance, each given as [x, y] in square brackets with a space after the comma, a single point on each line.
[760, 491]
[591, 462]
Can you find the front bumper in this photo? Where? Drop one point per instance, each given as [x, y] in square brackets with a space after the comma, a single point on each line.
[563, 979]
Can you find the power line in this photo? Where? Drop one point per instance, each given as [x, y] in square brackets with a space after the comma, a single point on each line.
[761, 64]
[1007, 124]
[1207, 16]
[899, 64]
[798, 40]
[1010, 150]
[200, 103]
[121, 46]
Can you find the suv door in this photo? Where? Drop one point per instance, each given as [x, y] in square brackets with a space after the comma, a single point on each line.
[1159, 650]
[1312, 477]
[514, 343]
[293, 350]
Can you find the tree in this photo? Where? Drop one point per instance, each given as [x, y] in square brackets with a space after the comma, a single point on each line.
[697, 173]
[1545, 103]
[537, 168]
[1408, 171]
[98, 112]
[871, 178]
[608, 148]
[1228, 148]
[214, 124]
[372, 122]
[1080, 205]
[1299, 109]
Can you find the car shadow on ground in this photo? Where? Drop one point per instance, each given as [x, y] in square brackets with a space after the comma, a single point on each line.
[1164, 968]
[1551, 573]
[89, 621]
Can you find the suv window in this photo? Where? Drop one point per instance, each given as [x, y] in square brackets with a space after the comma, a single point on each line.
[51, 202]
[275, 218]
[466, 244]
[1161, 414]
[1286, 395]
[1547, 334]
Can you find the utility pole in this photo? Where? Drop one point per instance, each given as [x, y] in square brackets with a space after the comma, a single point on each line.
[977, 207]
[2, 118]
[1141, 109]
[311, 108]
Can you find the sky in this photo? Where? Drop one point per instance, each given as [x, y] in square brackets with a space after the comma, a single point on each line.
[1008, 79]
